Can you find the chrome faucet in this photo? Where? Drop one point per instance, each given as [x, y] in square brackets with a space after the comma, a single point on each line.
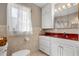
[65, 35]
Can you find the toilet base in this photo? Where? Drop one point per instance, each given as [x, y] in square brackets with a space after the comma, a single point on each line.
[22, 53]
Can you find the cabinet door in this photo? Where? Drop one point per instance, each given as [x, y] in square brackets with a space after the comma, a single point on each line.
[44, 44]
[68, 50]
[55, 48]
[47, 16]
[44, 41]
[44, 49]
[43, 17]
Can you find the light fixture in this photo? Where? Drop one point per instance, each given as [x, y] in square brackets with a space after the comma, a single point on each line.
[59, 9]
[69, 5]
[55, 10]
[64, 7]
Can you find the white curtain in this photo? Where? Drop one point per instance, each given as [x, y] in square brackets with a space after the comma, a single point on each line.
[19, 19]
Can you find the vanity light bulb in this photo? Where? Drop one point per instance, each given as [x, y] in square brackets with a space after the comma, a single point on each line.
[64, 7]
[69, 5]
[59, 9]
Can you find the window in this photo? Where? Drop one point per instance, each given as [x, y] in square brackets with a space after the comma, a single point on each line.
[19, 19]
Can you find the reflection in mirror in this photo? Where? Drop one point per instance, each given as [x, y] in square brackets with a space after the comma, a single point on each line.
[66, 15]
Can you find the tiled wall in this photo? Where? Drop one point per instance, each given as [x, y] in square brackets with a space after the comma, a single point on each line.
[3, 19]
[2, 30]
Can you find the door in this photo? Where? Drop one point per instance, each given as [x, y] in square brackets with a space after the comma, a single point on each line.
[55, 48]
[47, 16]
[67, 50]
[44, 44]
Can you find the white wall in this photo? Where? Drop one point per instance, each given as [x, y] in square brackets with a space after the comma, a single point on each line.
[3, 19]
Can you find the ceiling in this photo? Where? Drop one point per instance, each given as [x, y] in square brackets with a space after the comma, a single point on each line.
[59, 13]
[40, 4]
[72, 9]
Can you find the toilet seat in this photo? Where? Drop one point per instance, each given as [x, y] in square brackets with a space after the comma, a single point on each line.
[21, 53]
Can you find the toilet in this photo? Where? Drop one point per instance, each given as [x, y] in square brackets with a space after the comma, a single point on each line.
[22, 53]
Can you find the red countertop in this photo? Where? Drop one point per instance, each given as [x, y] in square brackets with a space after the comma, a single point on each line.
[68, 36]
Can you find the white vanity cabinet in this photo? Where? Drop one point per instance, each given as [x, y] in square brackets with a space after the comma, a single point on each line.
[62, 50]
[58, 46]
[48, 16]
[63, 47]
[69, 47]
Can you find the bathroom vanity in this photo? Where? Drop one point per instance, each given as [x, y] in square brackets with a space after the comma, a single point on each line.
[56, 46]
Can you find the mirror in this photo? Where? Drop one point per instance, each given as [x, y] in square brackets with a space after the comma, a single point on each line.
[66, 15]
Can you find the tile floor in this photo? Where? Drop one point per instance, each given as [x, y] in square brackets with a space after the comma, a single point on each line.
[38, 53]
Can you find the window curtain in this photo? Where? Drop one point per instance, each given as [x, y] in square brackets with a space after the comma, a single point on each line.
[19, 19]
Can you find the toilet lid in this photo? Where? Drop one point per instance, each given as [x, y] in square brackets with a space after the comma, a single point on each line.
[21, 53]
